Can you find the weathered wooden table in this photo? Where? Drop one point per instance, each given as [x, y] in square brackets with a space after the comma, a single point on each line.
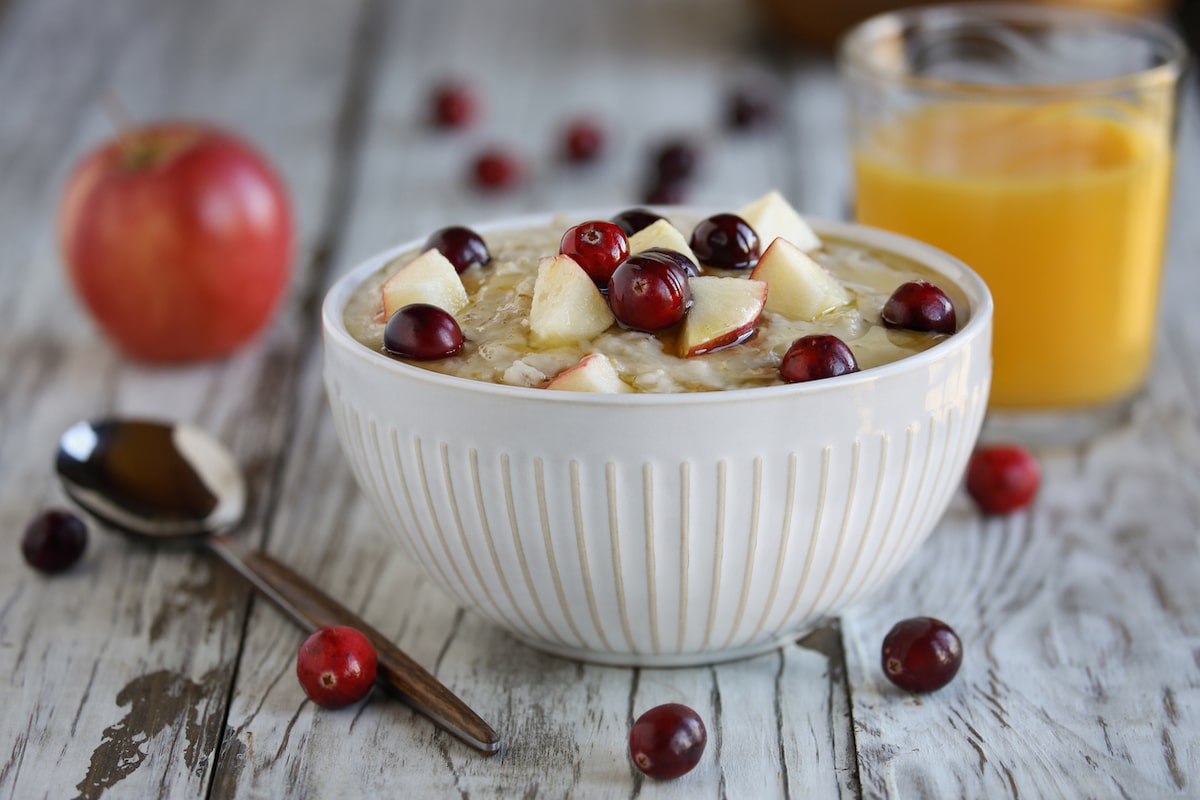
[155, 674]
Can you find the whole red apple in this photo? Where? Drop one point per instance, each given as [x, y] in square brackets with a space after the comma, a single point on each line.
[178, 239]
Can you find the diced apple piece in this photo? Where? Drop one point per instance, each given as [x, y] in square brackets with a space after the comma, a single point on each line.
[724, 311]
[594, 373]
[567, 306]
[797, 286]
[661, 234]
[773, 217]
[428, 278]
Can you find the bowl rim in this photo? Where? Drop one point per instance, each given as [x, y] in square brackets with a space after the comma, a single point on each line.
[336, 336]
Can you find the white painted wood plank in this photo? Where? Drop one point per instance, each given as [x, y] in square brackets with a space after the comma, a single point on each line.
[120, 670]
[1079, 619]
[775, 722]
[1081, 611]
[820, 147]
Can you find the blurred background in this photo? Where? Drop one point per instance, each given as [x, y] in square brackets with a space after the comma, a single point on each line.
[387, 119]
[820, 24]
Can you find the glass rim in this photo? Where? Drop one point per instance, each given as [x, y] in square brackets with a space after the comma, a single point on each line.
[855, 57]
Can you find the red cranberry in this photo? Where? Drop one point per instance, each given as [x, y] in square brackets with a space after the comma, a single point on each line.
[461, 246]
[676, 160]
[920, 306]
[54, 540]
[495, 169]
[921, 654]
[336, 666]
[749, 107]
[667, 741]
[583, 141]
[453, 105]
[635, 219]
[685, 263]
[422, 332]
[725, 241]
[820, 355]
[666, 192]
[1002, 478]
[649, 292]
[597, 246]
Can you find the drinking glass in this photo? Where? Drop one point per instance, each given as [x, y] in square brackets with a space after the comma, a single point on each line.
[1035, 143]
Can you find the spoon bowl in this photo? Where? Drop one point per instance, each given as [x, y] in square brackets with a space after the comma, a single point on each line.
[151, 480]
[162, 482]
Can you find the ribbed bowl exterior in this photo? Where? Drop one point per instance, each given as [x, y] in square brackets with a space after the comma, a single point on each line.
[663, 530]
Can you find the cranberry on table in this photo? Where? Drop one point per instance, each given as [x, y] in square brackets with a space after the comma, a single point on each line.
[453, 105]
[672, 166]
[667, 741]
[820, 355]
[597, 246]
[675, 160]
[649, 292]
[749, 107]
[725, 241]
[461, 246]
[54, 540]
[666, 192]
[921, 654]
[920, 306]
[336, 666]
[1002, 478]
[632, 220]
[583, 141]
[422, 332]
[495, 169]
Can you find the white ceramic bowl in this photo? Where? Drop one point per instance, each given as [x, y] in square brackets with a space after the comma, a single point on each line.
[663, 530]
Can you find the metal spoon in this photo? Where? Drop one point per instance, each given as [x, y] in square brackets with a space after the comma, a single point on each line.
[162, 482]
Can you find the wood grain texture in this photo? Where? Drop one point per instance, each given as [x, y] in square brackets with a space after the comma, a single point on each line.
[121, 671]
[311, 609]
[564, 726]
[1080, 674]
[146, 674]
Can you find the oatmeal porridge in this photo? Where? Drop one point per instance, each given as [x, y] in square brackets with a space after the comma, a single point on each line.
[499, 343]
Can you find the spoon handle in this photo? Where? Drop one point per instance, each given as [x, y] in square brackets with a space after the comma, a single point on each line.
[311, 608]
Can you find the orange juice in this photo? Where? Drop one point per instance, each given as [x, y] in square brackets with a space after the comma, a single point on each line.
[1062, 209]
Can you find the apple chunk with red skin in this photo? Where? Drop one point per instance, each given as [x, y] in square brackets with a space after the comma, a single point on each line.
[593, 373]
[725, 312]
[567, 305]
[773, 217]
[178, 239]
[797, 286]
[429, 278]
[663, 234]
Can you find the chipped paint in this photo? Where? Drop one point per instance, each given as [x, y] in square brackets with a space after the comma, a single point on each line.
[158, 702]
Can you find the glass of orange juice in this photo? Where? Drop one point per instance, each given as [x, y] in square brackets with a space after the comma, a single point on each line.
[1034, 142]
